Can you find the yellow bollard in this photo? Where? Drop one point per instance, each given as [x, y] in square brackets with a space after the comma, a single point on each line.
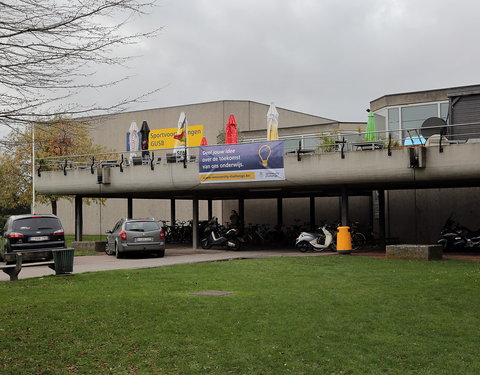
[344, 240]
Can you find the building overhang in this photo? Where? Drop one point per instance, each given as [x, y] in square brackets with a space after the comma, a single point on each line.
[315, 174]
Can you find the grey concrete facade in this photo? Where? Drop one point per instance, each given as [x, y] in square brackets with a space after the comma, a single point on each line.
[417, 200]
[318, 175]
[110, 131]
[251, 117]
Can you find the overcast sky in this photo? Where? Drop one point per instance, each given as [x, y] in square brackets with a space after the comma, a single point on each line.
[324, 57]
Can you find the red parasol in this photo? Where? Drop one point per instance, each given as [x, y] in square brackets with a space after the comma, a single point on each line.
[204, 142]
[231, 135]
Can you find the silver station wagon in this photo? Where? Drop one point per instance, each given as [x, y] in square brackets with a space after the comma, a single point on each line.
[135, 235]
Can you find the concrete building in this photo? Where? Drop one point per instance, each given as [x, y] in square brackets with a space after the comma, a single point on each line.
[407, 191]
[294, 127]
[421, 212]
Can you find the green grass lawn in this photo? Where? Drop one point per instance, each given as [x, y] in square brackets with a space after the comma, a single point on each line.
[314, 315]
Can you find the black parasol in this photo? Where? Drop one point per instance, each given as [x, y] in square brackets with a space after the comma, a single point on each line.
[144, 132]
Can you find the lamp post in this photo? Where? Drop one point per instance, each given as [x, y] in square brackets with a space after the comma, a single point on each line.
[33, 169]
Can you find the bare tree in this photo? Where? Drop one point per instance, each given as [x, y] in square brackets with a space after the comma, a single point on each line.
[50, 48]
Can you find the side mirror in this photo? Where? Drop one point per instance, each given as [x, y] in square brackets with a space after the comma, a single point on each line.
[108, 232]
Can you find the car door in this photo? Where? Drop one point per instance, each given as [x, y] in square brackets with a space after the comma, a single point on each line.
[111, 237]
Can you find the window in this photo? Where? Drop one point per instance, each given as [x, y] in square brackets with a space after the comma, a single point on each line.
[36, 223]
[414, 116]
[380, 124]
[444, 111]
[142, 226]
[393, 121]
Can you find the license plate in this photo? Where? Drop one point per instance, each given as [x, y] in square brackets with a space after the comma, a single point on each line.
[143, 239]
[39, 238]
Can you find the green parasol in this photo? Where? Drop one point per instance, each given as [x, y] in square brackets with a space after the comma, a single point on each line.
[370, 135]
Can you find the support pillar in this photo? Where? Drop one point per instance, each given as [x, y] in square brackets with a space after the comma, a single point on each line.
[312, 213]
[54, 206]
[78, 218]
[241, 213]
[195, 210]
[279, 212]
[381, 218]
[210, 209]
[344, 207]
[130, 208]
[172, 212]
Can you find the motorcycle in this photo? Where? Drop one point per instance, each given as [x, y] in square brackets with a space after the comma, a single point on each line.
[457, 237]
[216, 235]
[320, 241]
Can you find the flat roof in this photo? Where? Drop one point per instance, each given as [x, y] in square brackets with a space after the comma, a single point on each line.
[467, 88]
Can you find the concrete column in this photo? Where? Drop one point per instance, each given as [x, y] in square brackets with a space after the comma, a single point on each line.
[78, 218]
[172, 212]
[54, 206]
[130, 208]
[210, 209]
[312, 213]
[344, 207]
[279, 212]
[372, 224]
[241, 213]
[195, 209]
[381, 218]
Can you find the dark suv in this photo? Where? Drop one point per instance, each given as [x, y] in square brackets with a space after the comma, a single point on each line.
[26, 233]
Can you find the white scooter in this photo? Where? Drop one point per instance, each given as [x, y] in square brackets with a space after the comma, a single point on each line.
[316, 241]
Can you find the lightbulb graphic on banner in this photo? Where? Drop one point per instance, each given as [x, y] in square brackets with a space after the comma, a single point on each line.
[264, 153]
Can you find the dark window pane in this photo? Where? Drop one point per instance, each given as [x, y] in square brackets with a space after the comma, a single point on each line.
[142, 226]
[33, 223]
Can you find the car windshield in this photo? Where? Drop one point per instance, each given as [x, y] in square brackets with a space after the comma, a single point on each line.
[142, 226]
[36, 223]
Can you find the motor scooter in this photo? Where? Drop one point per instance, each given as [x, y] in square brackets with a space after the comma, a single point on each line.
[216, 235]
[457, 237]
[321, 241]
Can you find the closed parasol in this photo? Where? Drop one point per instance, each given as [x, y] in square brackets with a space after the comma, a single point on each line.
[231, 134]
[272, 123]
[370, 133]
[144, 132]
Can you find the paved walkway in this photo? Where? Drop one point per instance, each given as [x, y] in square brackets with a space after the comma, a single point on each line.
[173, 256]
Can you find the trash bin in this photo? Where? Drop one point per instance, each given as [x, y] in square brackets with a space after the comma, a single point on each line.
[63, 259]
[344, 240]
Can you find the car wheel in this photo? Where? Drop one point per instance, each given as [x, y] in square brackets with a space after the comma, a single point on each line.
[118, 254]
[160, 253]
[109, 250]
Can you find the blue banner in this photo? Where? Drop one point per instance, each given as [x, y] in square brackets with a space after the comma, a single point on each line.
[242, 162]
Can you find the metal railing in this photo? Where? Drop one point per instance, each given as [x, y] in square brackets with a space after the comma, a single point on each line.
[295, 145]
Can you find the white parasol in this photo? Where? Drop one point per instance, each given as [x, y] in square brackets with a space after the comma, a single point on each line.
[133, 141]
